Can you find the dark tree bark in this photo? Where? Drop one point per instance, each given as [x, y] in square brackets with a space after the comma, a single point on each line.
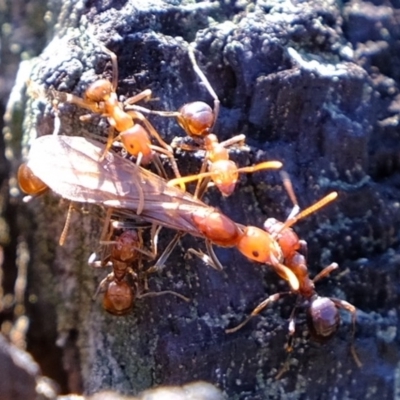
[313, 84]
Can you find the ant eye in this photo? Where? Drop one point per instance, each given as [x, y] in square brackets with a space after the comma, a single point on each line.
[256, 254]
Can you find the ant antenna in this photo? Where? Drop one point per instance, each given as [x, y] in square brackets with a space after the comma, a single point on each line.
[64, 232]
[287, 184]
[295, 215]
[310, 210]
[204, 80]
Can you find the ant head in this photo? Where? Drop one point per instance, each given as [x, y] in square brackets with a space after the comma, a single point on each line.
[323, 318]
[196, 118]
[125, 246]
[225, 176]
[258, 245]
[118, 298]
[99, 90]
[28, 182]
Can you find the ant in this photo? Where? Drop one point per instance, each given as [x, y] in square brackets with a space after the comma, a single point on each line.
[323, 312]
[122, 286]
[198, 119]
[101, 98]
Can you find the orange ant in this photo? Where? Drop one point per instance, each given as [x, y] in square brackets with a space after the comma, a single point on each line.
[198, 119]
[122, 286]
[323, 314]
[101, 98]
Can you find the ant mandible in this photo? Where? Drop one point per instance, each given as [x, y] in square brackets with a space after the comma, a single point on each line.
[323, 312]
[101, 98]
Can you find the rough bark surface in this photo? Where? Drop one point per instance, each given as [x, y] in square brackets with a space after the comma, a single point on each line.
[311, 83]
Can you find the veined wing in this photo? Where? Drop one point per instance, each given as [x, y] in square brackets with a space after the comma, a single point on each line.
[70, 167]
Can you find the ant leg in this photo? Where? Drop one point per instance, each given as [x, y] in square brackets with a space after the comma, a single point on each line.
[110, 141]
[352, 310]
[257, 310]
[292, 326]
[154, 294]
[205, 82]
[287, 184]
[170, 155]
[145, 95]
[108, 227]
[104, 263]
[159, 166]
[160, 264]
[215, 262]
[114, 62]
[222, 173]
[190, 178]
[155, 230]
[310, 210]
[211, 259]
[260, 166]
[176, 143]
[129, 106]
[325, 272]
[63, 97]
[64, 232]
[203, 257]
[87, 117]
[57, 120]
[140, 206]
[104, 241]
[201, 186]
[236, 140]
[155, 134]
[103, 285]
[289, 345]
[285, 368]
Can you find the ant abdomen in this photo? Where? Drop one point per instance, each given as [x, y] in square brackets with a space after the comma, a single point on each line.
[196, 118]
[218, 228]
[29, 182]
[323, 318]
[118, 299]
